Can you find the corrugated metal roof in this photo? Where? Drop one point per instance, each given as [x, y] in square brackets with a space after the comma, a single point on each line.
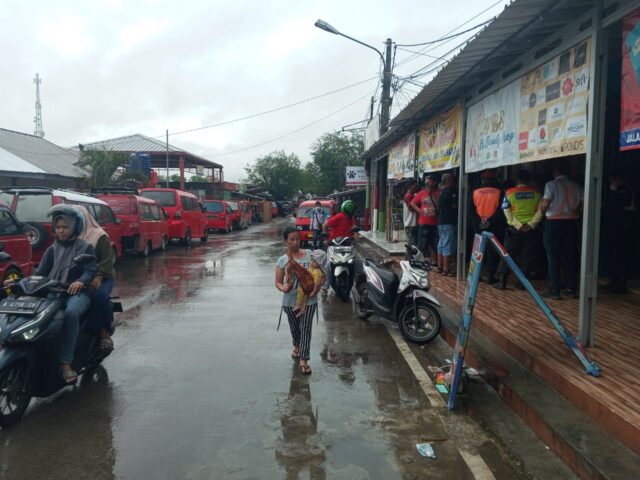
[41, 153]
[12, 163]
[515, 31]
[139, 143]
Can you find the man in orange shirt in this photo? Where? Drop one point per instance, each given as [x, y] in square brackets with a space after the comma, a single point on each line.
[486, 202]
[425, 203]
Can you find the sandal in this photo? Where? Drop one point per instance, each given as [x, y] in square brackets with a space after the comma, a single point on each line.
[106, 344]
[295, 353]
[305, 369]
[70, 377]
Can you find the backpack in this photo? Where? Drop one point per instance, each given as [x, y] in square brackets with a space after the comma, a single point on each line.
[304, 276]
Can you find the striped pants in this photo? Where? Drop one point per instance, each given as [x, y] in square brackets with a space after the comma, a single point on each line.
[301, 329]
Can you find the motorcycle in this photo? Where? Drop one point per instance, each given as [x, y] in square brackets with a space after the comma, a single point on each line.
[31, 320]
[342, 257]
[404, 299]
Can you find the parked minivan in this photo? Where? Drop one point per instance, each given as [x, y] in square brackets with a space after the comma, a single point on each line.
[31, 205]
[303, 216]
[218, 215]
[186, 218]
[235, 214]
[143, 222]
[13, 242]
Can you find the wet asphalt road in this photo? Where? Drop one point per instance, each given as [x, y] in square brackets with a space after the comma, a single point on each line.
[201, 386]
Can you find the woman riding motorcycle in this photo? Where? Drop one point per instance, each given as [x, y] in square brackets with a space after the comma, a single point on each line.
[57, 264]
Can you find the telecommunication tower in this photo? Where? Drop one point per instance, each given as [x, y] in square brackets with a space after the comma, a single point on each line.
[38, 118]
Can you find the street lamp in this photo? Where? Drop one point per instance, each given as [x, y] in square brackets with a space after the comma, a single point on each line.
[386, 76]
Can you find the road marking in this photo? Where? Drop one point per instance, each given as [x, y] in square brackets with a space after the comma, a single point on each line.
[475, 462]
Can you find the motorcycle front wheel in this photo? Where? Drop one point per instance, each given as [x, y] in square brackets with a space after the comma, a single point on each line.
[361, 307]
[425, 328]
[15, 392]
[343, 289]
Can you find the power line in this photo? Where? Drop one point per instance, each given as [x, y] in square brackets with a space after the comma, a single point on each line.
[292, 132]
[266, 112]
[441, 39]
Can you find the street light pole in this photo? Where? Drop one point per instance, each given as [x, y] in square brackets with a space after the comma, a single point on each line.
[385, 101]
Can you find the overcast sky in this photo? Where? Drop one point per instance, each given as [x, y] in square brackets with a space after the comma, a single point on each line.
[112, 68]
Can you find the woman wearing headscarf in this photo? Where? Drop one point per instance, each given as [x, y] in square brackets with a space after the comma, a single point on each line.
[57, 264]
[102, 284]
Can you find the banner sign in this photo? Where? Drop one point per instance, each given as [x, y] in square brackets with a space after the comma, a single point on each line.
[356, 176]
[630, 88]
[541, 115]
[372, 133]
[492, 130]
[402, 158]
[440, 145]
[553, 106]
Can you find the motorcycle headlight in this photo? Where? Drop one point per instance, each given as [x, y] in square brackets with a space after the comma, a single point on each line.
[350, 261]
[29, 334]
[31, 328]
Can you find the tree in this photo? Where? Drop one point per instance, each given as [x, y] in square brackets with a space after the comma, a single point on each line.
[331, 154]
[198, 178]
[102, 165]
[277, 172]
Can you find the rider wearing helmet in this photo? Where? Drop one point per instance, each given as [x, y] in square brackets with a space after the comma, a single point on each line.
[57, 264]
[340, 225]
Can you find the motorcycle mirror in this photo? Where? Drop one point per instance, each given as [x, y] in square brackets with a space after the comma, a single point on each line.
[84, 258]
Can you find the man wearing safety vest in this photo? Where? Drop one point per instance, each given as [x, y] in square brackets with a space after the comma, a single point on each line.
[520, 205]
[561, 204]
[487, 200]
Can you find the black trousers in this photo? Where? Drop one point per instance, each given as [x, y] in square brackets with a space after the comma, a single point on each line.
[522, 248]
[561, 244]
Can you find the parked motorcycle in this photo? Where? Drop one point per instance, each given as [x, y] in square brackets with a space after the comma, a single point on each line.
[342, 257]
[405, 299]
[31, 336]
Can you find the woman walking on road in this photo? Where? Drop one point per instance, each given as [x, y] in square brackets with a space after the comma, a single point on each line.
[287, 283]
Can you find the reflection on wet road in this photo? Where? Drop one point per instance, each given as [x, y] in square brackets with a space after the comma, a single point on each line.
[201, 385]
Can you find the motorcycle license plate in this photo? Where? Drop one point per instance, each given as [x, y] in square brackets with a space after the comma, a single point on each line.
[20, 307]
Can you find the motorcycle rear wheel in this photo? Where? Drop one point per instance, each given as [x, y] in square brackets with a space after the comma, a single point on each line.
[428, 325]
[15, 392]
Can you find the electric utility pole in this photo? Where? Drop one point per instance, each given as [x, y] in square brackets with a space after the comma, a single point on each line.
[386, 91]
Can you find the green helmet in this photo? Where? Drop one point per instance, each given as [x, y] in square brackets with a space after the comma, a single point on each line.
[348, 207]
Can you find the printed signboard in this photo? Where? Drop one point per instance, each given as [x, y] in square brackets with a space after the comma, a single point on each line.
[440, 145]
[356, 176]
[402, 158]
[630, 88]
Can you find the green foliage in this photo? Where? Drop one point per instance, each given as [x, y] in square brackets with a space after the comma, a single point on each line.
[174, 178]
[102, 165]
[198, 178]
[279, 173]
[331, 154]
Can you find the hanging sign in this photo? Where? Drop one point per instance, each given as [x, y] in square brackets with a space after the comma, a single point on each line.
[541, 115]
[630, 87]
[402, 158]
[553, 106]
[492, 130]
[440, 146]
[356, 176]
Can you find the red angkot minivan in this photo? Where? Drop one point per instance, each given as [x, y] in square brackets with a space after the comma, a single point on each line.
[186, 218]
[31, 205]
[14, 243]
[144, 224]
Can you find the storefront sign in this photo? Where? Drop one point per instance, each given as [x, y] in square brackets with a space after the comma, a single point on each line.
[630, 88]
[402, 158]
[356, 176]
[440, 143]
[492, 130]
[553, 106]
[372, 133]
[541, 115]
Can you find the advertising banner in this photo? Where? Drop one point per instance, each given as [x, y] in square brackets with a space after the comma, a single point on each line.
[440, 145]
[356, 176]
[630, 88]
[402, 158]
[372, 133]
[553, 106]
[492, 130]
[539, 116]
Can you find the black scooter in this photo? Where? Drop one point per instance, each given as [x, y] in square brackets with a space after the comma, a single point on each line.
[31, 319]
[404, 299]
